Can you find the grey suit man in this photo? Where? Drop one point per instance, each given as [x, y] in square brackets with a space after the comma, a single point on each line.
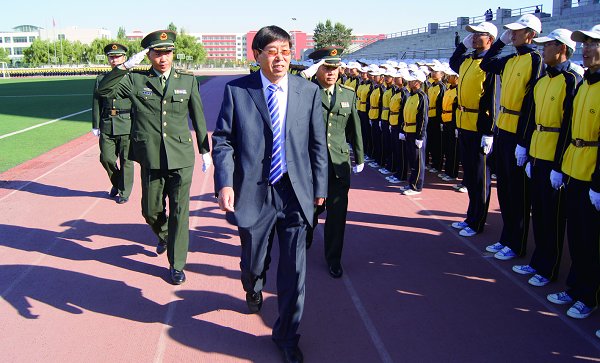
[244, 155]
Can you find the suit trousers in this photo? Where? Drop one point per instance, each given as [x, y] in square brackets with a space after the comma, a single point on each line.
[451, 150]
[548, 219]
[513, 193]
[583, 233]
[365, 128]
[376, 141]
[157, 185]
[416, 161]
[281, 212]
[386, 145]
[476, 178]
[113, 148]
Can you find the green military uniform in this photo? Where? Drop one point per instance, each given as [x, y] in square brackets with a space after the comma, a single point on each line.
[112, 116]
[342, 124]
[162, 143]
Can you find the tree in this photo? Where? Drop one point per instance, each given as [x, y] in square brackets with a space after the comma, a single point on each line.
[172, 27]
[328, 34]
[4, 56]
[38, 53]
[121, 33]
[189, 46]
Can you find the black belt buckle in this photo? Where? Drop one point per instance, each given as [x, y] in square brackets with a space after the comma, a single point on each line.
[579, 143]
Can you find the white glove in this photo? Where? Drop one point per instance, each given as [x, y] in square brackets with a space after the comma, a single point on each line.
[96, 132]
[312, 70]
[371, 123]
[358, 168]
[401, 136]
[468, 41]
[528, 169]
[456, 133]
[506, 36]
[486, 143]
[380, 125]
[206, 162]
[595, 199]
[520, 155]
[390, 128]
[442, 127]
[135, 59]
[556, 179]
[419, 143]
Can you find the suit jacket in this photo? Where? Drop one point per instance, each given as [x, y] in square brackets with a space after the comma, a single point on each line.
[342, 124]
[243, 139]
[160, 133]
[101, 119]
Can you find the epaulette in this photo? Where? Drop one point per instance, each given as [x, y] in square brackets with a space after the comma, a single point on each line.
[184, 71]
[347, 87]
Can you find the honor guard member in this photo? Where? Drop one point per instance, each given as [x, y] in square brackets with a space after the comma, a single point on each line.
[162, 99]
[475, 114]
[111, 121]
[362, 97]
[343, 77]
[342, 123]
[386, 142]
[353, 80]
[399, 162]
[518, 72]
[553, 104]
[580, 174]
[374, 106]
[415, 131]
[435, 94]
[449, 140]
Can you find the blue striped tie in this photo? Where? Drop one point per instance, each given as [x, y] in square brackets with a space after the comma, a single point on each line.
[276, 171]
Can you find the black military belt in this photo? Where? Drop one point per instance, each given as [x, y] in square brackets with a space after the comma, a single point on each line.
[374, 107]
[386, 109]
[508, 111]
[392, 113]
[409, 123]
[465, 109]
[583, 143]
[443, 111]
[115, 112]
[363, 103]
[547, 129]
[431, 108]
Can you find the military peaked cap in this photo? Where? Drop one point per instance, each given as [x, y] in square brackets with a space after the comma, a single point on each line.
[115, 49]
[160, 40]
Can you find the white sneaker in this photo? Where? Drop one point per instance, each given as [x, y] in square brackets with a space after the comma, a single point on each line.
[442, 175]
[448, 178]
[505, 254]
[560, 298]
[496, 247]
[598, 333]
[410, 192]
[373, 164]
[459, 225]
[467, 232]
[433, 170]
[538, 280]
[384, 171]
[493, 176]
[394, 180]
[523, 269]
[457, 186]
[580, 310]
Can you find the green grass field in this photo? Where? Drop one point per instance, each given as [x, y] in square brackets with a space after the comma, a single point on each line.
[29, 102]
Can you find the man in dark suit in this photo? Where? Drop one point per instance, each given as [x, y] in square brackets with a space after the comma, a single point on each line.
[342, 123]
[270, 158]
[162, 99]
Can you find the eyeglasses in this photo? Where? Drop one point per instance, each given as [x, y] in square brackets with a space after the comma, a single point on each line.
[274, 52]
[590, 45]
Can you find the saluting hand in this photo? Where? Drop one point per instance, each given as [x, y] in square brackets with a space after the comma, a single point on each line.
[135, 59]
[506, 37]
[468, 41]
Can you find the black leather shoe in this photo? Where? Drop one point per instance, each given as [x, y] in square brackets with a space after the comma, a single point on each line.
[122, 200]
[336, 271]
[161, 247]
[254, 301]
[113, 192]
[177, 276]
[291, 354]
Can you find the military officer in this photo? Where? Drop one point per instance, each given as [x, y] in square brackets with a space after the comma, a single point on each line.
[162, 98]
[111, 122]
[342, 123]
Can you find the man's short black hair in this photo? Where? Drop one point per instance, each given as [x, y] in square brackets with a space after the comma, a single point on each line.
[268, 34]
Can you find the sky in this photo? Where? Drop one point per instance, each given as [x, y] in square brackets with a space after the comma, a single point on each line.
[237, 16]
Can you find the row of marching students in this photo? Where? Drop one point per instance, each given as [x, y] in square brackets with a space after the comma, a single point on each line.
[393, 102]
[545, 139]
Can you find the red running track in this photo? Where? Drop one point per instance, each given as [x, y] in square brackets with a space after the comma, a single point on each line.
[80, 281]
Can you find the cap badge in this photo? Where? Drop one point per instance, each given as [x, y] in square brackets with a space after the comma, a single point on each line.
[333, 52]
[114, 47]
[163, 36]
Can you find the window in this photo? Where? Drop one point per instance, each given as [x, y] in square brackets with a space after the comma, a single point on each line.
[18, 51]
[7, 40]
[31, 39]
[19, 39]
[61, 37]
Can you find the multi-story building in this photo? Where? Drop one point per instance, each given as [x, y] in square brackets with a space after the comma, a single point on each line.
[223, 47]
[16, 41]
